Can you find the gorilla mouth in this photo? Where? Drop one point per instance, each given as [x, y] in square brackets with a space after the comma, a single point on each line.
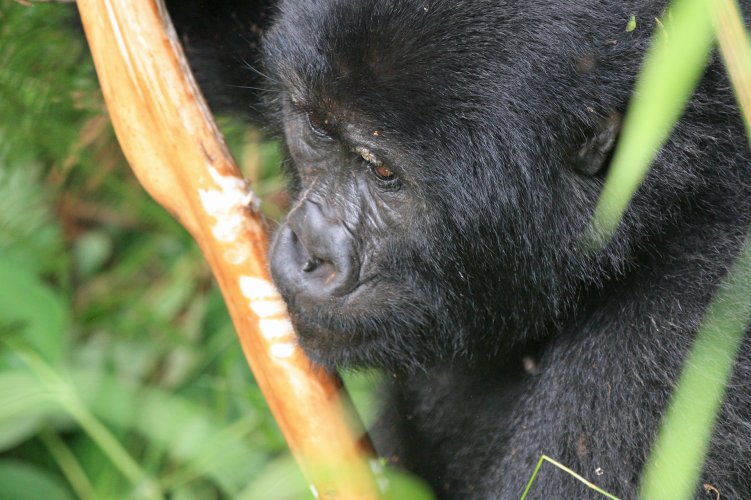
[342, 316]
[379, 324]
[332, 338]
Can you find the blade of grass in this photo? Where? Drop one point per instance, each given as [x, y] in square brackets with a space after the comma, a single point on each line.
[670, 73]
[582, 479]
[678, 455]
[68, 464]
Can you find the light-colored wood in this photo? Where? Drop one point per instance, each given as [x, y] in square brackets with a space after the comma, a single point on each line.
[167, 134]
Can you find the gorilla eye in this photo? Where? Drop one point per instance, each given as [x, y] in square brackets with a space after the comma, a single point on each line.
[319, 124]
[383, 173]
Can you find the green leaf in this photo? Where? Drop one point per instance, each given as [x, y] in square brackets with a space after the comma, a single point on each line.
[631, 25]
[280, 480]
[91, 251]
[363, 386]
[28, 234]
[40, 313]
[25, 406]
[21, 480]
[398, 485]
[189, 434]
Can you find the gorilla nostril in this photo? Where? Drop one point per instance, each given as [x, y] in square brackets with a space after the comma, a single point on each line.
[311, 265]
[321, 270]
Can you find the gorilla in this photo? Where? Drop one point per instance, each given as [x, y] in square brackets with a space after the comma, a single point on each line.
[445, 158]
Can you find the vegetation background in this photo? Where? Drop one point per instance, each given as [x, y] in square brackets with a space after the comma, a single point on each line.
[120, 373]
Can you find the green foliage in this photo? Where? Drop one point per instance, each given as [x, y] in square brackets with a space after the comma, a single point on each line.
[22, 480]
[120, 374]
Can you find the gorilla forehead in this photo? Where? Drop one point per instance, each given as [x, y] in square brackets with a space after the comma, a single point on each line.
[399, 46]
[386, 55]
[432, 68]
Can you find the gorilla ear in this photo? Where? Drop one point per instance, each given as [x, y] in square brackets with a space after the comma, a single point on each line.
[593, 155]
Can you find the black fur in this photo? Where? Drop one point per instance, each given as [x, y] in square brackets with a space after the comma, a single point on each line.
[505, 339]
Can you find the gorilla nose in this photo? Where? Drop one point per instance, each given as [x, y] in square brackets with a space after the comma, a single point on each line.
[313, 256]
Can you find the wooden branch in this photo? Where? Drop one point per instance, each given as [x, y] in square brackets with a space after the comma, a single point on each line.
[176, 151]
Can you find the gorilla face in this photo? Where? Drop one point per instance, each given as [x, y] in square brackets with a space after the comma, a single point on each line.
[443, 170]
[353, 259]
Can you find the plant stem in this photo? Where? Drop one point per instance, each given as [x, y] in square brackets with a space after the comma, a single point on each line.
[68, 464]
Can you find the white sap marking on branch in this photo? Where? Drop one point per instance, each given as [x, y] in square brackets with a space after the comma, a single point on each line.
[276, 329]
[227, 205]
[237, 255]
[268, 305]
[258, 288]
[268, 308]
[283, 349]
